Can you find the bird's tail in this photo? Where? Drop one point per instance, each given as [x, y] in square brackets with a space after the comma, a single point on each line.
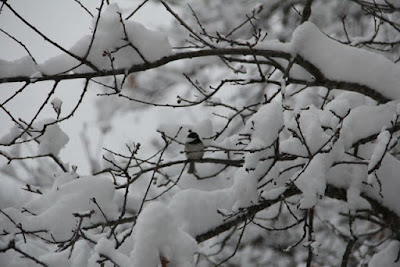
[192, 168]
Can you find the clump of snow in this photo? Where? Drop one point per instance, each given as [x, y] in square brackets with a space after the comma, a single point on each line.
[382, 142]
[310, 140]
[15, 259]
[109, 161]
[265, 125]
[64, 178]
[81, 254]
[56, 258]
[355, 201]
[340, 62]
[264, 128]
[339, 108]
[273, 193]
[308, 129]
[5, 241]
[275, 45]
[54, 209]
[256, 161]
[244, 188]
[348, 176]
[158, 234]
[35, 76]
[388, 176]
[24, 66]
[312, 180]
[56, 103]
[387, 256]
[13, 133]
[106, 247]
[111, 46]
[53, 140]
[398, 109]
[357, 124]
[187, 205]
[77, 257]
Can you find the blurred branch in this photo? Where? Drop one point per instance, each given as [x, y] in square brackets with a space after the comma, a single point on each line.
[306, 11]
[310, 226]
[373, 5]
[347, 252]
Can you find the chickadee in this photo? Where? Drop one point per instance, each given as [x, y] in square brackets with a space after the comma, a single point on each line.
[194, 149]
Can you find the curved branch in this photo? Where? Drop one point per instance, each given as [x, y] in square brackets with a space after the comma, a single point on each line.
[250, 212]
[320, 80]
[391, 218]
[372, 137]
[151, 65]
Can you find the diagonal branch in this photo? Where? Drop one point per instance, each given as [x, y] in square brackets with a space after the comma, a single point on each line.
[86, 62]
[391, 218]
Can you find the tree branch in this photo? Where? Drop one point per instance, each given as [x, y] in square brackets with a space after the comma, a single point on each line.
[306, 11]
[391, 218]
[347, 252]
[320, 80]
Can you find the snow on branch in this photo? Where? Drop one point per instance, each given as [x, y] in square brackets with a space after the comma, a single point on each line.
[279, 152]
[132, 48]
[338, 63]
[128, 43]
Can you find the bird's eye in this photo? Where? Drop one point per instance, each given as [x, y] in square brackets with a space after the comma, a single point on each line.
[193, 135]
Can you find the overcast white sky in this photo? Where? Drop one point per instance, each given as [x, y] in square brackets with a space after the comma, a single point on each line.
[65, 22]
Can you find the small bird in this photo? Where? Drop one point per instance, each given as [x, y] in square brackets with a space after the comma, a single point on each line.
[194, 149]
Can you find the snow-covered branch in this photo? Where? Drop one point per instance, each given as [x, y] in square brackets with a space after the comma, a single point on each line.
[319, 77]
[295, 106]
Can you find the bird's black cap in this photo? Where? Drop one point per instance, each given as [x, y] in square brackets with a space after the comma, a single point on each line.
[193, 135]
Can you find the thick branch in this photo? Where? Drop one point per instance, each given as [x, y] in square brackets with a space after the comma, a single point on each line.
[320, 80]
[251, 211]
[306, 11]
[391, 218]
[152, 65]
[372, 137]
[347, 253]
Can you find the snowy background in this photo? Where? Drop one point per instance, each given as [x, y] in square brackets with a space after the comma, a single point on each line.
[300, 132]
[66, 29]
